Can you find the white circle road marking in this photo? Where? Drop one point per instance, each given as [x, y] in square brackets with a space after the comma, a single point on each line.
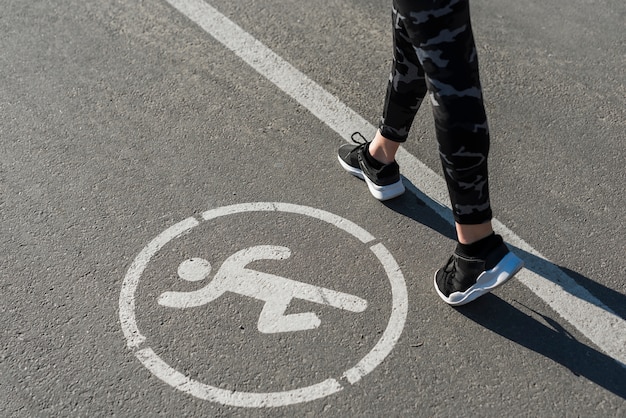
[570, 300]
[195, 268]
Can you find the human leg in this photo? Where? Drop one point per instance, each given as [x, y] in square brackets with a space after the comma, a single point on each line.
[441, 33]
[405, 91]
[406, 88]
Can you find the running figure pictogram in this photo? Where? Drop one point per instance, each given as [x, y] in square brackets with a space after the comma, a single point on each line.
[276, 291]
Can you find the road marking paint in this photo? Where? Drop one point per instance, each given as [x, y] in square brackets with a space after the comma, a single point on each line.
[194, 269]
[338, 221]
[131, 281]
[260, 285]
[276, 292]
[318, 101]
[396, 319]
[570, 300]
[233, 398]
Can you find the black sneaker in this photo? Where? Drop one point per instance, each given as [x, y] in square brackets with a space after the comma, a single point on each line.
[384, 183]
[464, 279]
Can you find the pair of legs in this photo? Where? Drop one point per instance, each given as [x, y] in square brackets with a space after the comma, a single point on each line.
[435, 57]
[434, 54]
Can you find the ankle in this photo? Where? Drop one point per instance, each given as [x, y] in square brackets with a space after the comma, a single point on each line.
[382, 149]
[480, 248]
[468, 234]
[371, 161]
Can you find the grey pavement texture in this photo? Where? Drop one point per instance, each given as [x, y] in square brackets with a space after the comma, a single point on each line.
[120, 119]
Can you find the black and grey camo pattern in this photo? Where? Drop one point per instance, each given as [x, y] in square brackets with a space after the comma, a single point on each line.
[435, 55]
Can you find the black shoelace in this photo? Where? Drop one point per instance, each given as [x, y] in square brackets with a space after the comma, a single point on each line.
[360, 140]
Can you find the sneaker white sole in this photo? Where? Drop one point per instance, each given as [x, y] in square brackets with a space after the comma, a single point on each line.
[385, 192]
[486, 282]
[379, 192]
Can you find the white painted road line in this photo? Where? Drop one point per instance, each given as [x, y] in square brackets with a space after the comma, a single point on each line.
[574, 303]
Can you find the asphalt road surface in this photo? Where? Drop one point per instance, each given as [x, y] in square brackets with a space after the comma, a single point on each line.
[178, 238]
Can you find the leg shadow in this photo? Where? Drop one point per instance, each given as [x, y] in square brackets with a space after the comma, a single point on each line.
[424, 210]
[571, 281]
[544, 335]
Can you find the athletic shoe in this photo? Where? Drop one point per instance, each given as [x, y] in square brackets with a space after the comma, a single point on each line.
[384, 183]
[464, 279]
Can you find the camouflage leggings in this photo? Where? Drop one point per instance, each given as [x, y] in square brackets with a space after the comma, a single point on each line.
[434, 54]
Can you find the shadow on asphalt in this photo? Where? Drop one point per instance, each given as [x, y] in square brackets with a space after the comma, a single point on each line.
[611, 298]
[532, 330]
[413, 207]
[547, 337]
[607, 298]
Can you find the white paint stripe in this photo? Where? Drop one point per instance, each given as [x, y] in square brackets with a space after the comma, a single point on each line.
[574, 303]
[318, 101]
